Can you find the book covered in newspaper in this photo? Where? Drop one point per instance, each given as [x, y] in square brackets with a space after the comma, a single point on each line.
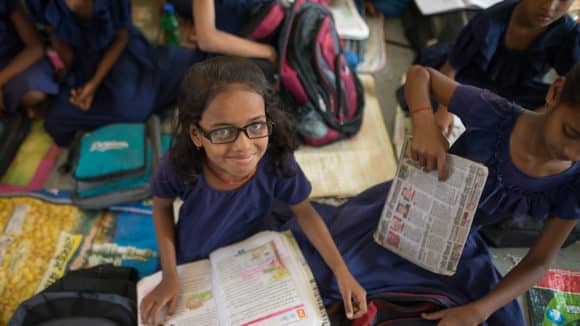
[555, 300]
[263, 280]
[431, 7]
[427, 221]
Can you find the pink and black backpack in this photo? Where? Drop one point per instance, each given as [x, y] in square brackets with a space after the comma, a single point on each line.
[324, 93]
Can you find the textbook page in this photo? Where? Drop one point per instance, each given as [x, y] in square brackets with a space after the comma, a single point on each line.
[431, 7]
[196, 304]
[262, 282]
[427, 221]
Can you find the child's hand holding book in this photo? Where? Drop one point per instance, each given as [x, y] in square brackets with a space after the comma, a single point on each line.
[353, 295]
[166, 293]
[428, 145]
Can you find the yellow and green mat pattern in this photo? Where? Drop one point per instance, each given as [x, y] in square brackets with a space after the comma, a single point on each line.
[41, 239]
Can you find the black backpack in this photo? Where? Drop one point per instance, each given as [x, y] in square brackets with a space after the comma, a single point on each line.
[520, 233]
[103, 295]
[396, 309]
[324, 93]
[13, 129]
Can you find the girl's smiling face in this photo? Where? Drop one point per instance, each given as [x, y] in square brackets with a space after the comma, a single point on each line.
[236, 106]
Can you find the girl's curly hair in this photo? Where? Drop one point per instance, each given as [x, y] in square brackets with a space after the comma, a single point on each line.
[202, 83]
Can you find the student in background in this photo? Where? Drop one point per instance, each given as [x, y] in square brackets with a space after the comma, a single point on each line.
[534, 169]
[217, 23]
[533, 159]
[26, 77]
[508, 48]
[111, 72]
[231, 160]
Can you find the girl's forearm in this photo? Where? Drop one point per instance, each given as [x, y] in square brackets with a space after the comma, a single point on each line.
[111, 56]
[32, 51]
[532, 268]
[27, 57]
[225, 43]
[164, 232]
[417, 94]
[211, 39]
[317, 232]
[448, 70]
[423, 83]
[417, 87]
[516, 282]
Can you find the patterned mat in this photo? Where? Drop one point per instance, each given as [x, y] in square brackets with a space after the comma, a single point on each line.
[42, 238]
[33, 162]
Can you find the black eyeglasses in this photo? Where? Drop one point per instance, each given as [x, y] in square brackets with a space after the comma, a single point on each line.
[225, 135]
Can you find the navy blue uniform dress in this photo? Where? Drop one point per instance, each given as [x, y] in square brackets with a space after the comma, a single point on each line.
[211, 218]
[143, 79]
[38, 77]
[481, 59]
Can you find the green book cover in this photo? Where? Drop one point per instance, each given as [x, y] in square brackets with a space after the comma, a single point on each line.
[555, 300]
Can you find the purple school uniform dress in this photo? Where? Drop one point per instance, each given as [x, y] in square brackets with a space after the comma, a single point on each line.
[481, 59]
[210, 219]
[143, 79]
[39, 76]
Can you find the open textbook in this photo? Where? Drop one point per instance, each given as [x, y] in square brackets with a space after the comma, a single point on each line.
[263, 280]
[427, 221]
[431, 7]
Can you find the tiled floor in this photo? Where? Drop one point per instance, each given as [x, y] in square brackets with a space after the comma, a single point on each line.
[387, 80]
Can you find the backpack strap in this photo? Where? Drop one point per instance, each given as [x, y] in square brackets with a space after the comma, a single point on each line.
[101, 295]
[103, 278]
[401, 309]
[72, 155]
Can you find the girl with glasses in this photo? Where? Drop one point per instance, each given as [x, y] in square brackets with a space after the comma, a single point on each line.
[231, 159]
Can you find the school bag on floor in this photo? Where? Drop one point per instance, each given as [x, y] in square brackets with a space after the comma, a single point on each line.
[103, 295]
[114, 164]
[396, 309]
[324, 94]
[13, 129]
[520, 233]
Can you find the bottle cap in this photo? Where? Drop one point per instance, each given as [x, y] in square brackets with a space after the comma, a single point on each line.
[168, 8]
